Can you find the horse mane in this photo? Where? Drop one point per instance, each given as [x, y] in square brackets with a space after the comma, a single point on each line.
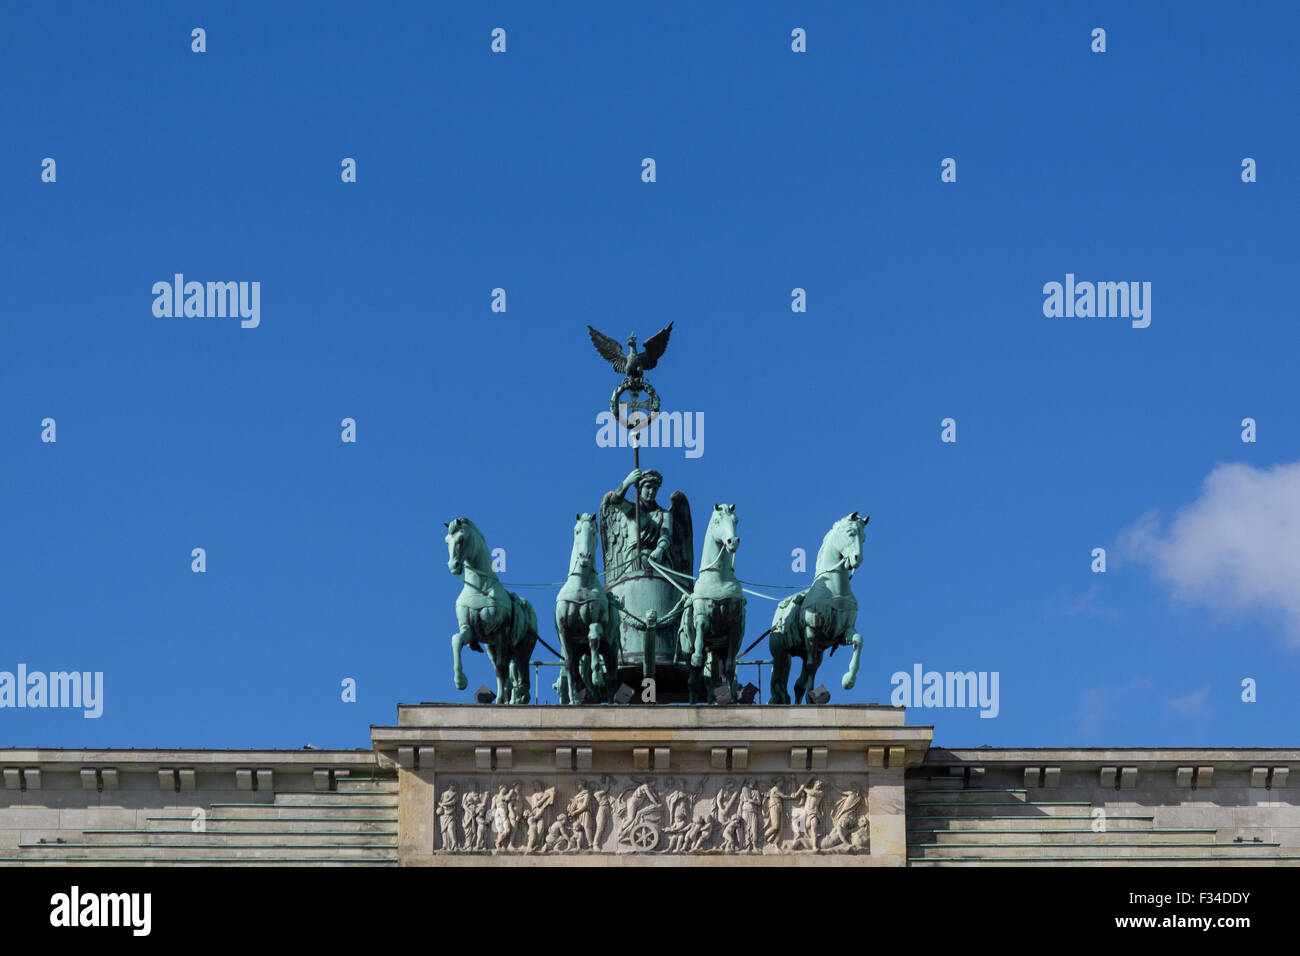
[836, 528]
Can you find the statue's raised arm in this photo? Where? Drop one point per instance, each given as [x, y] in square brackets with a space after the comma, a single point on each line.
[633, 532]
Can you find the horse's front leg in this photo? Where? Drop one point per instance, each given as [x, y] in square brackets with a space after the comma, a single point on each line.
[458, 640]
[706, 677]
[701, 619]
[522, 685]
[502, 667]
[503, 682]
[851, 675]
[808, 673]
[569, 663]
[598, 675]
[609, 658]
[779, 688]
[733, 652]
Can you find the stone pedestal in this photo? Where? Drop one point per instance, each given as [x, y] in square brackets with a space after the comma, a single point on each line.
[712, 786]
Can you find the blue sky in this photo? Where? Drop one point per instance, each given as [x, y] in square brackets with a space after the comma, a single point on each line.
[775, 170]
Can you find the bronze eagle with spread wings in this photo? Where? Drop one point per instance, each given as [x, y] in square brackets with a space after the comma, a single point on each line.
[632, 363]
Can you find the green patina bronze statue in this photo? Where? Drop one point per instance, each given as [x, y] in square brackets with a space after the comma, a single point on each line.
[653, 622]
[491, 618]
[821, 616]
[632, 365]
[713, 621]
[639, 539]
[586, 621]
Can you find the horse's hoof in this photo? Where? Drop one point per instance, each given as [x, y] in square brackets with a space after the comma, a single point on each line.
[847, 682]
[462, 682]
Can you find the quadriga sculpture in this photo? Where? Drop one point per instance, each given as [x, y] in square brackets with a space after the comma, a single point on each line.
[586, 619]
[821, 616]
[713, 621]
[491, 618]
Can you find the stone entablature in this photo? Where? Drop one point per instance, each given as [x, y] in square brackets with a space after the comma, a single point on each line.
[192, 807]
[711, 785]
[656, 786]
[1124, 768]
[34, 769]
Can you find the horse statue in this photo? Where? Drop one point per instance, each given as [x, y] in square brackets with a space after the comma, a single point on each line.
[821, 616]
[713, 620]
[491, 618]
[586, 619]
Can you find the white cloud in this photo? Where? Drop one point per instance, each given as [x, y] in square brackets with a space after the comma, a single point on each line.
[1193, 704]
[1236, 547]
[1089, 604]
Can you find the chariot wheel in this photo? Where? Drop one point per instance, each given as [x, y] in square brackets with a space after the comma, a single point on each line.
[644, 836]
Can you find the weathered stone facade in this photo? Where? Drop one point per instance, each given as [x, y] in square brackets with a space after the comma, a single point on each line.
[1087, 807]
[455, 785]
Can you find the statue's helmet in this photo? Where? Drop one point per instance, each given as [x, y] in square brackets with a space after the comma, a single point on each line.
[651, 477]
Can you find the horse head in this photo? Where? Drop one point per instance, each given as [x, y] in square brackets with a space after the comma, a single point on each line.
[465, 545]
[846, 539]
[585, 538]
[722, 527]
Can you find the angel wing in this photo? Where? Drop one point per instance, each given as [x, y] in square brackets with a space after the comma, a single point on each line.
[682, 547]
[611, 351]
[654, 347]
[613, 543]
